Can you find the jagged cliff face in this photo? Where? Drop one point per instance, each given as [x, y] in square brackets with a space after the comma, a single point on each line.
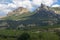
[43, 7]
[45, 11]
[18, 11]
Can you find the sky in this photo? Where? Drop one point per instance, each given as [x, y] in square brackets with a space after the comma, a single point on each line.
[9, 5]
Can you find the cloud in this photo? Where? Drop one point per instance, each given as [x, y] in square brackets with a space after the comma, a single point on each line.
[12, 5]
[49, 2]
[56, 5]
[24, 3]
[6, 6]
[36, 2]
[3, 7]
[46, 2]
[33, 3]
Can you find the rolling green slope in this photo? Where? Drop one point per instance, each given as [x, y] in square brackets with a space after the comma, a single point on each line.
[19, 17]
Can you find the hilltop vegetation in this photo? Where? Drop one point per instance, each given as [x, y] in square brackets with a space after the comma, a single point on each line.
[21, 24]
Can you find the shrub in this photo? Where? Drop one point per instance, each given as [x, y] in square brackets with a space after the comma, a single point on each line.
[24, 36]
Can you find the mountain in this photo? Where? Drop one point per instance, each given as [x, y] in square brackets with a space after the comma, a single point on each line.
[45, 12]
[56, 9]
[22, 17]
[18, 14]
[43, 15]
[18, 11]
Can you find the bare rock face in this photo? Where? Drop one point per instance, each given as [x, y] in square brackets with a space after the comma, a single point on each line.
[18, 11]
[43, 7]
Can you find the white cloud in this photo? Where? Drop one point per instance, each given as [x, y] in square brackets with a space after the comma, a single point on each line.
[46, 2]
[30, 4]
[24, 3]
[36, 2]
[49, 2]
[56, 5]
[12, 5]
[4, 8]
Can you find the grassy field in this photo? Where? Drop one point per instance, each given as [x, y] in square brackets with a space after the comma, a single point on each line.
[34, 35]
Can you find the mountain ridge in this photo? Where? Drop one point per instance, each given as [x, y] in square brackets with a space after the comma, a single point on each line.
[42, 15]
[19, 11]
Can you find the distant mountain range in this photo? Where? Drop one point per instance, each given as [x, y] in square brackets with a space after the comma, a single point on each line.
[43, 15]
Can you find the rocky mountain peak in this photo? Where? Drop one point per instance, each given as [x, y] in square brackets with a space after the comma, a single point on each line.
[43, 7]
[19, 10]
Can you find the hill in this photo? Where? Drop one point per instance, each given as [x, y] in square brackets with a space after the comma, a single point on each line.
[56, 9]
[42, 16]
[18, 14]
[43, 13]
